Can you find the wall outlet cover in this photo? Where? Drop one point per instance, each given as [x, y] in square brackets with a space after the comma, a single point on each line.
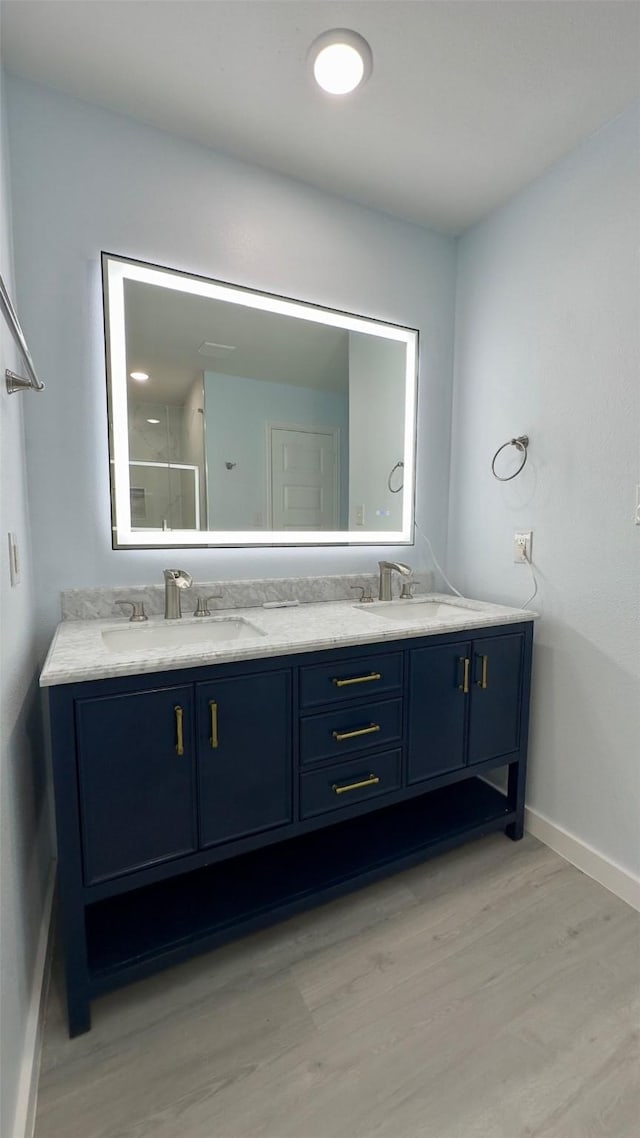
[522, 546]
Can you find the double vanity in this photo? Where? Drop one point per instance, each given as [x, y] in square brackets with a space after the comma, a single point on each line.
[216, 774]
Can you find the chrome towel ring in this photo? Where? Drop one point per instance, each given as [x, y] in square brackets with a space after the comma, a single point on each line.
[398, 466]
[521, 443]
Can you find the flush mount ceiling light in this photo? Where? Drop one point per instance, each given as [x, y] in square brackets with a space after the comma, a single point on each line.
[141, 376]
[154, 421]
[341, 60]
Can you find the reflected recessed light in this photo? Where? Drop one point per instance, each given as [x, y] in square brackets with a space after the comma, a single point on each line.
[141, 376]
[153, 420]
[341, 61]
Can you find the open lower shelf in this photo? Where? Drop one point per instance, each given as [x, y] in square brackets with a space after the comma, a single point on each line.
[135, 933]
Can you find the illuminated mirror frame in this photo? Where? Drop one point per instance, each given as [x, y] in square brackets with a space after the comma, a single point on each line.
[116, 270]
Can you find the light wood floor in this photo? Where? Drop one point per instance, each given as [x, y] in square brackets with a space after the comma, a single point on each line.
[490, 993]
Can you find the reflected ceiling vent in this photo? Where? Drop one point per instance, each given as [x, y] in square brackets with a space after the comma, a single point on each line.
[209, 348]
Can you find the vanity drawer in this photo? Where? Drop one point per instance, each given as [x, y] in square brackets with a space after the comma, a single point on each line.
[333, 683]
[335, 734]
[334, 787]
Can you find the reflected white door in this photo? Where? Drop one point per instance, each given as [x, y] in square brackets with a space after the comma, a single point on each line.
[303, 470]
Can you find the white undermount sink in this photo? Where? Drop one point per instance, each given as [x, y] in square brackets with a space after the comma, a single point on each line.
[417, 610]
[219, 630]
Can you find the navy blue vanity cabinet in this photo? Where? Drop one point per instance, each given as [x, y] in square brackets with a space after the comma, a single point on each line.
[351, 727]
[438, 684]
[347, 784]
[341, 681]
[336, 734]
[195, 806]
[136, 779]
[244, 755]
[495, 696]
[466, 703]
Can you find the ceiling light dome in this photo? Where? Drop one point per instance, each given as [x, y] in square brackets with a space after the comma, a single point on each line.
[341, 61]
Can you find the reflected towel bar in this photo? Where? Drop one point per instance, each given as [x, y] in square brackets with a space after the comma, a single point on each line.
[17, 382]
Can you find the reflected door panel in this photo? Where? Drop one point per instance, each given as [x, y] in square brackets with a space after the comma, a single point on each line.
[304, 483]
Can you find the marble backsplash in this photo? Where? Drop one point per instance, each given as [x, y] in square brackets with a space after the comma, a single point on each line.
[102, 603]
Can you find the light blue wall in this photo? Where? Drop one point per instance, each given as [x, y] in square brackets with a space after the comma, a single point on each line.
[548, 344]
[237, 410]
[25, 838]
[84, 180]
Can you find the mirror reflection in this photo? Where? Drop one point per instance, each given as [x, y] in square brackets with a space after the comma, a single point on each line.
[241, 418]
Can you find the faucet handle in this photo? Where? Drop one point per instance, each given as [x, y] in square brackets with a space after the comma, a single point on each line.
[203, 604]
[365, 593]
[406, 593]
[137, 610]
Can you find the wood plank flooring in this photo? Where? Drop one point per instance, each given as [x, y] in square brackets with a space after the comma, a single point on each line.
[493, 992]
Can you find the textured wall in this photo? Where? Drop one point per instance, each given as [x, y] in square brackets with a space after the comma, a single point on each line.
[547, 343]
[86, 180]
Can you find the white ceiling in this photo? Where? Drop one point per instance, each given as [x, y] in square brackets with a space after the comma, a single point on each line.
[468, 101]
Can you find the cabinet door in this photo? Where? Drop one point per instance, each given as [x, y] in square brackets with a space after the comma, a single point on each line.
[136, 777]
[244, 755]
[496, 696]
[437, 707]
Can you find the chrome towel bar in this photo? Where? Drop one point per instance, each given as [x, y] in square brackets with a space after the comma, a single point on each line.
[17, 382]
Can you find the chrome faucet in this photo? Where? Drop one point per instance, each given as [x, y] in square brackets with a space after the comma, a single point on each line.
[174, 580]
[386, 568]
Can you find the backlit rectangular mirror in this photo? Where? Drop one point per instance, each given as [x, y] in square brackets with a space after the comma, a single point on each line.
[241, 418]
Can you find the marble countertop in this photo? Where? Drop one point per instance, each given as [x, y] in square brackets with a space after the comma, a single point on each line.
[79, 652]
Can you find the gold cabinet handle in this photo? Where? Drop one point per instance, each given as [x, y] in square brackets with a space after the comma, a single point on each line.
[357, 680]
[483, 682]
[179, 730]
[213, 739]
[340, 736]
[372, 780]
[464, 686]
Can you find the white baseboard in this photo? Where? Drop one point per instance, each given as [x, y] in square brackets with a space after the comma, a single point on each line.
[25, 1115]
[584, 857]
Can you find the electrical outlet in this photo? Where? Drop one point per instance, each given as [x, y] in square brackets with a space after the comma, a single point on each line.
[14, 560]
[522, 547]
[359, 515]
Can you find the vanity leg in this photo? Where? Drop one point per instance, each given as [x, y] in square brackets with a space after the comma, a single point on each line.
[76, 971]
[515, 798]
[515, 830]
[78, 1013]
[71, 906]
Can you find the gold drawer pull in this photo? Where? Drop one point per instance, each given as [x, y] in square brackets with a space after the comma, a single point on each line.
[179, 732]
[372, 780]
[357, 680]
[464, 686]
[340, 736]
[483, 682]
[213, 708]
